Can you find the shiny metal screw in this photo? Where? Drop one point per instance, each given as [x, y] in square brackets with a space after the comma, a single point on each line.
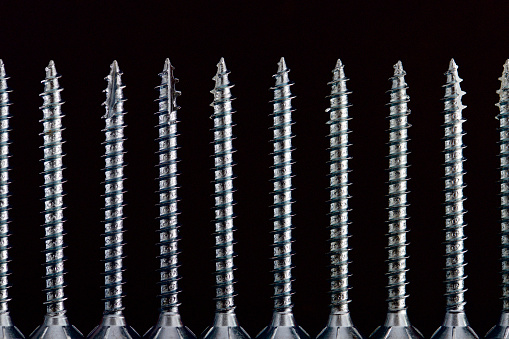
[113, 323]
[455, 324]
[169, 324]
[397, 324]
[501, 330]
[7, 329]
[55, 324]
[283, 324]
[340, 323]
[225, 322]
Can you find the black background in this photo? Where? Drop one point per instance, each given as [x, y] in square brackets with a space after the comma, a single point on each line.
[84, 37]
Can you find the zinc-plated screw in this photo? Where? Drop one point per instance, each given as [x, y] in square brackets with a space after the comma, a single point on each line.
[225, 322]
[397, 324]
[169, 324]
[55, 324]
[7, 329]
[113, 323]
[340, 324]
[283, 323]
[501, 330]
[455, 324]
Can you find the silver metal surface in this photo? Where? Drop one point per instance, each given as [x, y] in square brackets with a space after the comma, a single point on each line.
[455, 323]
[7, 329]
[283, 323]
[113, 323]
[501, 330]
[169, 324]
[225, 323]
[55, 323]
[397, 324]
[339, 324]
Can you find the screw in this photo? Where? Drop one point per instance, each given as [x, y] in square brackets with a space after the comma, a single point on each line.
[6, 327]
[113, 323]
[225, 322]
[501, 329]
[283, 323]
[455, 323]
[55, 323]
[397, 324]
[169, 324]
[340, 323]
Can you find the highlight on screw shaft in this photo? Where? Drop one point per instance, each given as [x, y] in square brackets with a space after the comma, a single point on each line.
[339, 324]
[169, 323]
[455, 322]
[6, 326]
[501, 329]
[397, 324]
[53, 212]
[225, 322]
[283, 324]
[113, 323]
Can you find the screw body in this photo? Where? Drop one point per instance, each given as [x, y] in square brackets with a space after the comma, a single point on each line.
[55, 324]
[455, 324]
[501, 330]
[283, 324]
[7, 329]
[340, 325]
[113, 323]
[169, 324]
[225, 322]
[397, 324]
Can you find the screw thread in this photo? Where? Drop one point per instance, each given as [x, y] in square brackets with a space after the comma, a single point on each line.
[454, 211]
[282, 193]
[338, 189]
[503, 117]
[114, 192]
[168, 211]
[53, 192]
[397, 207]
[223, 188]
[4, 189]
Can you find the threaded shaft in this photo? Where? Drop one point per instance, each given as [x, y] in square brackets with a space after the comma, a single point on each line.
[282, 193]
[454, 211]
[4, 189]
[168, 211]
[53, 193]
[114, 192]
[503, 117]
[223, 188]
[338, 178]
[397, 218]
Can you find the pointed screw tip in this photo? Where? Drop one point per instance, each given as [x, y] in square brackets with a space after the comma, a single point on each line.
[221, 66]
[281, 65]
[452, 64]
[398, 68]
[339, 63]
[167, 64]
[114, 66]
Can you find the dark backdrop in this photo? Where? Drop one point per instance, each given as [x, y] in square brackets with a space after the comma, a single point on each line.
[84, 37]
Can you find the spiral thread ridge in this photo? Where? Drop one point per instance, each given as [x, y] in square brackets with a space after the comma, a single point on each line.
[53, 192]
[454, 198]
[4, 189]
[338, 189]
[503, 118]
[114, 192]
[397, 206]
[282, 193]
[223, 189]
[168, 211]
